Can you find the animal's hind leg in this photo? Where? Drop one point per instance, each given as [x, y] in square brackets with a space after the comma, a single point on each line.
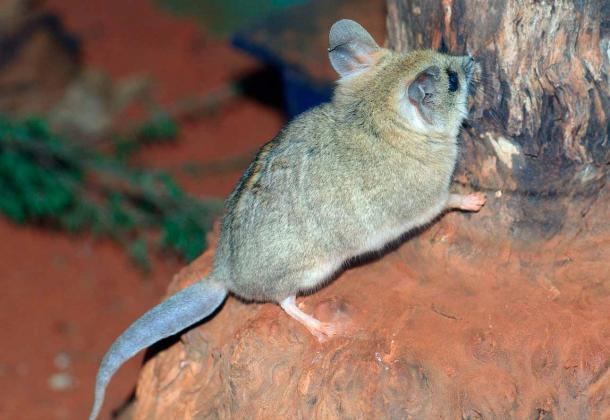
[321, 330]
[468, 202]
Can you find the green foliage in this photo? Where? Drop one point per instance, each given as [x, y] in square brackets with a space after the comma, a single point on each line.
[226, 16]
[161, 127]
[47, 180]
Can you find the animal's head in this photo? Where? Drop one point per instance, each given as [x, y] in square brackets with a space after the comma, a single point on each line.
[425, 91]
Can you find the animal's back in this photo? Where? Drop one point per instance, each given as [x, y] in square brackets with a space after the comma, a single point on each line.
[324, 190]
[270, 228]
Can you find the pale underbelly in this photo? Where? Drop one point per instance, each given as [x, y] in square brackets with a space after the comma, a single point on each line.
[381, 237]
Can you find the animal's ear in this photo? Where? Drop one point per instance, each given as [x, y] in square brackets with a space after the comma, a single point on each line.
[351, 47]
[423, 87]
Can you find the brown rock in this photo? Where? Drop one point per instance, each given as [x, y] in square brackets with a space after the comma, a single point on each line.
[433, 333]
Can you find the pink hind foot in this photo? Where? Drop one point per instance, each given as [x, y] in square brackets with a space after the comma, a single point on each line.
[468, 202]
[321, 330]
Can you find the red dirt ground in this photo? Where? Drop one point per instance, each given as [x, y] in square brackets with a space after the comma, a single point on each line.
[71, 296]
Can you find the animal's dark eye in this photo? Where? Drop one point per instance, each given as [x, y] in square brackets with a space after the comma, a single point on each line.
[454, 83]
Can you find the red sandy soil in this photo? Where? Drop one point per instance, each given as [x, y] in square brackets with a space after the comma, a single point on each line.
[66, 298]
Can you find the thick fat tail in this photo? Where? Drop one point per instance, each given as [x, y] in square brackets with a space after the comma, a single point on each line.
[168, 318]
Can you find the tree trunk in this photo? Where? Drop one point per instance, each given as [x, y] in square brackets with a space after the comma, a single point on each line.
[538, 134]
[500, 314]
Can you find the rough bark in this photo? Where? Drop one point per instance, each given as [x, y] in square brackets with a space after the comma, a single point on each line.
[538, 132]
[501, 314]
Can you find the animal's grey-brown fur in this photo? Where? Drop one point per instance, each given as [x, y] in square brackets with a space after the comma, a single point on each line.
[343, 179]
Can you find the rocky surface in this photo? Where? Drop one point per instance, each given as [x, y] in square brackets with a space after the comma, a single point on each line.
[446, 326]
